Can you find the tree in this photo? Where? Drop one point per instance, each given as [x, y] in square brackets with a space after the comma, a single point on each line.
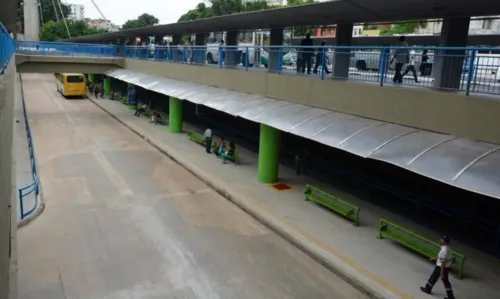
[200, 12]
[224, 7]
[53, 31]
[143, 20]
[48, 12]
[299, 2]
[406, 28]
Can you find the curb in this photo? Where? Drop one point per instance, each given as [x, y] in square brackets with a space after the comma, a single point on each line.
[265, 216]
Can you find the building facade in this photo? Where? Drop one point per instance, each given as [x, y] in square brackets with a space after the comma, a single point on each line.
[103, 24]
[77, 12]
[270, 2]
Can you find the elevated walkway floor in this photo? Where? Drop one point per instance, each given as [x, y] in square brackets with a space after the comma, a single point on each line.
[380, 264]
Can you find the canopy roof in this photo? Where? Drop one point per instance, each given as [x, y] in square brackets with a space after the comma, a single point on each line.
[460, 162]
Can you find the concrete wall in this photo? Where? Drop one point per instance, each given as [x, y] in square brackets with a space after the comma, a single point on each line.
[61, 64]
[7, 197]
[447, 112]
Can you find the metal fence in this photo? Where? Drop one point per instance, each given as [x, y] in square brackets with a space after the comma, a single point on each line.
[65, 49]
[472, 70]
[469, 70]
[6, 48]
[35, 186]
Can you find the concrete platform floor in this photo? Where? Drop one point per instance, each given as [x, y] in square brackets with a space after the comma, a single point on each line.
[380, 264]
[124, 221]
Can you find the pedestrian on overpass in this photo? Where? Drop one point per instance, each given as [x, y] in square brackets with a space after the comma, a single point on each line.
[401, 56]
[442, 269]
[208, 140]
[321, 59]
[307, 53]
[411, 66]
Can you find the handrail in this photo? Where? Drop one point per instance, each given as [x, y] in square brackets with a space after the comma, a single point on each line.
[35, 186]
[7, 48]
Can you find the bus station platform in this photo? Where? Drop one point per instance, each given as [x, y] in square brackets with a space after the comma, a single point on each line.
[381, 268]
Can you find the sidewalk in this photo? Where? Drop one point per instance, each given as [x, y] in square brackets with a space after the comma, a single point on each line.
[377, 266]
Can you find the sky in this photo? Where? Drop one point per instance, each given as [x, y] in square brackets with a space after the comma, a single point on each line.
[119, 11]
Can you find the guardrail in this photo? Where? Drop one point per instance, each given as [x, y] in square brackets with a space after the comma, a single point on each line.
[35, 186]
[475, 70]
[6, 48]
[65, 49]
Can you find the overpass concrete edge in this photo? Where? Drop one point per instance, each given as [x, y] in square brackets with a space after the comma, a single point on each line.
[365, 281]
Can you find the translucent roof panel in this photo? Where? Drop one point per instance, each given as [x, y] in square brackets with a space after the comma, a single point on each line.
[456, 161]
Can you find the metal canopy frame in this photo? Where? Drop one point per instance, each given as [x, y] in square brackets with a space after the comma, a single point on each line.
[323, 13]
[459, 162]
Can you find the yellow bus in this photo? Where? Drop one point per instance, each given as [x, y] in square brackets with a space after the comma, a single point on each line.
[71, 84]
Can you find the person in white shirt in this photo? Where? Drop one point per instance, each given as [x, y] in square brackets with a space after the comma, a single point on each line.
[208, 140]
[442, 269]
[411, 66]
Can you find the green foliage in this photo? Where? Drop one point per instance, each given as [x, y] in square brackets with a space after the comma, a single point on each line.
[48, 12]
[53, 31]
[143, 20]
[299, 2]
[385, 31]
[224, 7]
[200, 12]
[406, 28]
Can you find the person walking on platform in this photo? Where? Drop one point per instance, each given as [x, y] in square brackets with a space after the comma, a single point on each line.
[401, 56]
[442, 269]
[208, 140]
[307, 53]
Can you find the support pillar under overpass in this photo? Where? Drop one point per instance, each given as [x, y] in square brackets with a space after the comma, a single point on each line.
[231, 57]
[269, 153]
[276, 39]
[92, 79]
[199, 48]
[175, 115]
[342, 56]
[107, 86]
[448, 64]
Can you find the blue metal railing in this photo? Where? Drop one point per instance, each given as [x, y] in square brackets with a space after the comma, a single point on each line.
[470, 70]
[464, 69]
[35, 186]
[65, 49]
[6, 48]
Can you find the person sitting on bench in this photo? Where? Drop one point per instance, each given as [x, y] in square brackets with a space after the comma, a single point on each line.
[154, 117]
[230, 152]
[220, 145]
[140, 110]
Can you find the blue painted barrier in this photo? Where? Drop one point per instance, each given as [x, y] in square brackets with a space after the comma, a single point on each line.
[35, 186]
[7, 48]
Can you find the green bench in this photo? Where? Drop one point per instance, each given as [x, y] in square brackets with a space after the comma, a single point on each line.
[198, 138]
[418, 243]
[333, 203]
[233, 158]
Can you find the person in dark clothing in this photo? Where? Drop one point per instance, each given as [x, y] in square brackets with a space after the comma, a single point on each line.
[424, 65]
[401, 56]
[307, 53]
[321, 58]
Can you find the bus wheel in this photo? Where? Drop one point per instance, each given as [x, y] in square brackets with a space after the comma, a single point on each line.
[361, 65]
[210, 59]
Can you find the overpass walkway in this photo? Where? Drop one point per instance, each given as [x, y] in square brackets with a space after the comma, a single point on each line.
[356, 252]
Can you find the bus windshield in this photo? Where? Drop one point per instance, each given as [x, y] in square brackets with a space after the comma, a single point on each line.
[74, 79]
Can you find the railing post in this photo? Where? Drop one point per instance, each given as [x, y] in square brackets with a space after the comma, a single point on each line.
[470, 71]
[323, 62]
[221, 56]
[21, 204]
[382, 68]
[247, 54]
[280, 59]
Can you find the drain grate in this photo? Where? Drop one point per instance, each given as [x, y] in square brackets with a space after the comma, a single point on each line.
[281, 187]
